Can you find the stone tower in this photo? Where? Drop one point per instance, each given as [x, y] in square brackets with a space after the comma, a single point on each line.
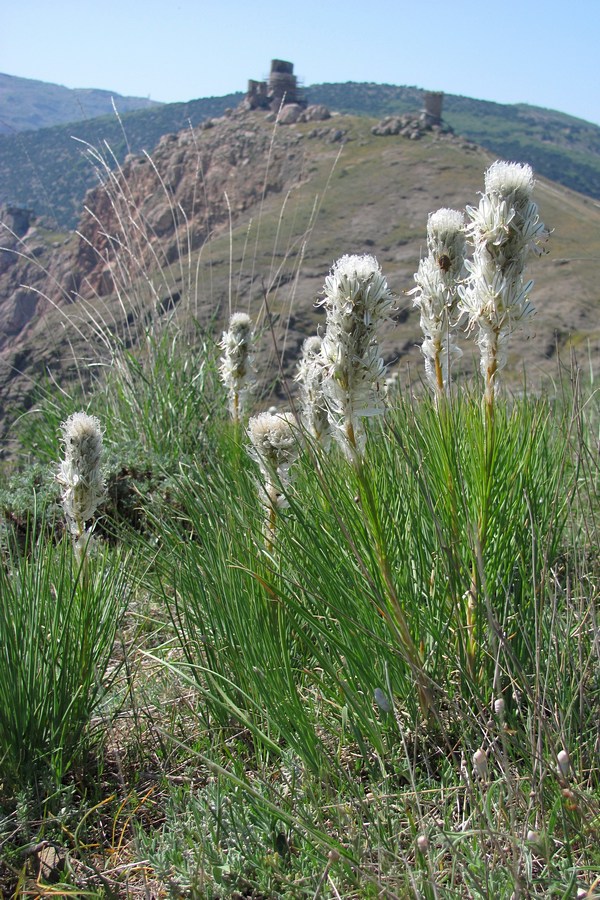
[432, 114]
[283, 85]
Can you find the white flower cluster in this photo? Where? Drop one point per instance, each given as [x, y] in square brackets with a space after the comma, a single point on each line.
[504, 228]
[436, 294]
[80, 473]
[274, 446]
[236, 363]
[357, 302]
[312, 399]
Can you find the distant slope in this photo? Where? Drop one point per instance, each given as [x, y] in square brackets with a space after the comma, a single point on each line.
[27, 104]
[49, 172]
[176, 246]
[558, 146]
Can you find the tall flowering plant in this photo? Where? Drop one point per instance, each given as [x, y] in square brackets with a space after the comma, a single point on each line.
[357, 303]
[436, 295]
[237, 371]
[504, 229]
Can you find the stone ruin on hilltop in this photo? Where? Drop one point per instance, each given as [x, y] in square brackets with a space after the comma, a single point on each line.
[280, 90]
[280, 96]
[415, 125]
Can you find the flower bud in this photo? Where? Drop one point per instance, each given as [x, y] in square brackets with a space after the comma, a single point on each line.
[422, 843]
[564, 763]
[480, 763]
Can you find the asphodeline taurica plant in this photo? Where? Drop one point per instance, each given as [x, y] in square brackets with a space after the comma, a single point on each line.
[311, 371]
[236, 368]
[274, 446]
[504, 228]
[436, 295]
[80, 474]
[357, 304]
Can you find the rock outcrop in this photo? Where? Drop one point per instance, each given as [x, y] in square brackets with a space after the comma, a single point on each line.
[412, 126]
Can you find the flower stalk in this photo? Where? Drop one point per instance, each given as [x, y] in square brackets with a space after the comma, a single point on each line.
[80, 475]
[436, 295]
[236, 367]
[274, 447]
[358, 303]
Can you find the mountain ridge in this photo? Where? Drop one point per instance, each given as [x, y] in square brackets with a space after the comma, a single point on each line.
[49, 170]
[29, 104]
[242, 213]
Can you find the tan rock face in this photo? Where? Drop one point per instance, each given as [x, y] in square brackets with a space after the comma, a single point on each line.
[142, 217]
[195, 181]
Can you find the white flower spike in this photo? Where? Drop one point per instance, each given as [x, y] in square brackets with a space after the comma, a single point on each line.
[236, 363]
[504, 229]
[274, 445]
[436, 295]
[311, 371]
[357, 303]
[80, 472]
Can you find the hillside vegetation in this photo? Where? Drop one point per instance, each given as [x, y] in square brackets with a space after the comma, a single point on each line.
[27, 104]
[243, 656]
[48, 171]
[216, 214]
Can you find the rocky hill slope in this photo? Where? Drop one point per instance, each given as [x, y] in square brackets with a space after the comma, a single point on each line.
[240, 213]
[49, 170]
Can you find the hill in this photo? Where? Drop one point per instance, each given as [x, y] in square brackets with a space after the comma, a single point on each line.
[49, 170]
[558, 146]
[27, 104]
[248, 215]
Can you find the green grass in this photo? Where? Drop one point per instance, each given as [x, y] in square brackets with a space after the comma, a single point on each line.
[201, 712]
[289, 751]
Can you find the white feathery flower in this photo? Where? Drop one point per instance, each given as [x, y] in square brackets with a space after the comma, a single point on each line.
[312, 399]
[274, 446]
[357, 302]
[236, 363]
[504, 228]
[436, 294]
[506, 179]
[446, 239]
[80, 473]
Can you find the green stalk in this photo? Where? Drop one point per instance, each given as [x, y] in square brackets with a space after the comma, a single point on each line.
[396, 620]
[474, 593]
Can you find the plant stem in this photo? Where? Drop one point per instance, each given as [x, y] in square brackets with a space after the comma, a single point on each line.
[397, 620]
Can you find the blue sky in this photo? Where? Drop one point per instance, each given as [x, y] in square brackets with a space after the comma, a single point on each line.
[544, 53]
